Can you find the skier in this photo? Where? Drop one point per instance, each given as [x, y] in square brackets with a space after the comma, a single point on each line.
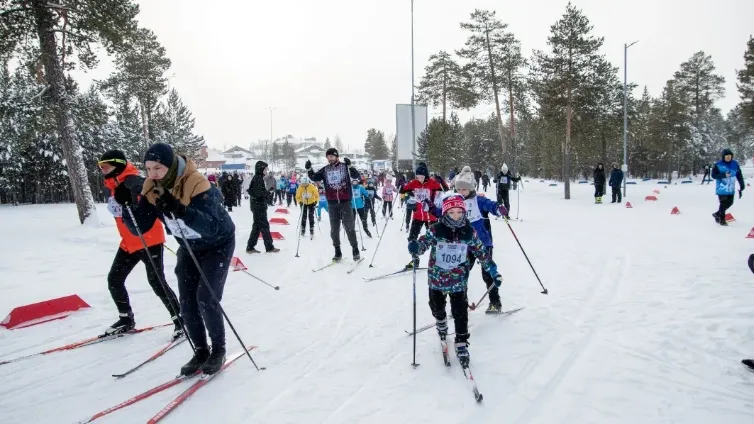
[599, 183]
[706, 177]
[422, 190]
[476, 208]
[258, 197]
[307, 196]
[322, 201]
[177, 194]
[291, 191]
[725, 172]
[269, 184]
[388, 191]
[117, 171]
[485, 181]
[616, 178]
[372, 194]
[228, 191]
[503, 181]
[237, 184]
[451, 242]
[336, 176]
[360, 197]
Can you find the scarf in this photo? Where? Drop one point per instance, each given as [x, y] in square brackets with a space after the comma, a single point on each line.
[175, 170]
[451, 223]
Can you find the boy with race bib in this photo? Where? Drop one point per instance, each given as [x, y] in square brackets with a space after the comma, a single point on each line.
[452, 241]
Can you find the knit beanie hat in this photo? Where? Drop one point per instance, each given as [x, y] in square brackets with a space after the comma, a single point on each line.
[332, 151]
[453, 201]
[422, 170]
[465, 179]
[160, 152]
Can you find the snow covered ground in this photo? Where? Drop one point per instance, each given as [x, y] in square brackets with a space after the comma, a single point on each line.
[647, 319]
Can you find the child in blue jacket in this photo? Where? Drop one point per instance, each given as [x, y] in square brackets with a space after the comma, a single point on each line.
[359, 196]
[291, 194]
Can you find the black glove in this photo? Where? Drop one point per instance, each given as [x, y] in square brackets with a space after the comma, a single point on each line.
[308, 164]
[169, 204]
[347, 161]
[123, 195]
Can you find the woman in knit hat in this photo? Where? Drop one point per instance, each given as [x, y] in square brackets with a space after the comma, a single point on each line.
[192, 208]
[452, 241]
[119, 172]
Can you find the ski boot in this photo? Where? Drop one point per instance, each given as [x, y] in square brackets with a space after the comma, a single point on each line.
[493, 308]
[356, 254]
[462, 350]
[338, 255]
[177, 329]
[125, 324]
[200, 357]
[215, 361]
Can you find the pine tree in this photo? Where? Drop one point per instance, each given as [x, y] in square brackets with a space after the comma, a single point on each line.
[174, 125]
[394, 152]
[375, 145]
[446, 82]
[482, 141]
[338, 144]
[698, 83]
[746, 85]
[327, 143]
[82, 24]
[441, 145]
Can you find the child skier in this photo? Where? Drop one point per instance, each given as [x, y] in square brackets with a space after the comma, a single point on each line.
[423, 190]
[372, 192]
[451, 242]
[359, 195]
[476, 209]
[322, 201]
[307, 196]
[282, 185]
[292, 187]
[388, 191]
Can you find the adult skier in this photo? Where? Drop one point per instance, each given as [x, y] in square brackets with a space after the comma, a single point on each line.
[616, 178]
[337, 178]
[177, 194]
[258, 198]
[725, 173]
[599, 183]
[452, 241]
[503, 181]
[119, 172]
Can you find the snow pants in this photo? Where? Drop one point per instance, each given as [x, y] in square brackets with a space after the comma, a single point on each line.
[503, 198]
[288, 197]
[416, 228]
[369, 209]
[362, 213]
[342, 212]
[200, 312]
[599, 190]
[122, 266]
[487, 278]
[387, 205]
[260, 226]
[459, 308]
[320, 206]
[726, 201]
[307, 210]
[617, 195]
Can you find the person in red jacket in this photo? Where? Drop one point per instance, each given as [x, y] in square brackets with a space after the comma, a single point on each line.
[423, 189]
[118, 171]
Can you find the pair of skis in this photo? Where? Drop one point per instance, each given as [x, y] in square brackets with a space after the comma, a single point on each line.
[351, 269]
[156, 355]
[171, 406]
[86, 342]
[466, 371]
[428, 326]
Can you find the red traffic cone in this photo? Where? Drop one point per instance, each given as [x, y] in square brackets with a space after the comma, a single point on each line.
[729, 218]
[751, 234]
[675, 211]
[628, 205]
[237, 265]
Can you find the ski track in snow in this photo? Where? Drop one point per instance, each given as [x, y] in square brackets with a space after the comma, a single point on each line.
[647, 319]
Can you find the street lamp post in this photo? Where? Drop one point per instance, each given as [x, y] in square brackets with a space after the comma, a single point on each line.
[625, 114]
[266, 149]
[413, 111]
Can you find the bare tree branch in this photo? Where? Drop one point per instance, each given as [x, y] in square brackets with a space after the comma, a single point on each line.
[58, 6]
[9, 11]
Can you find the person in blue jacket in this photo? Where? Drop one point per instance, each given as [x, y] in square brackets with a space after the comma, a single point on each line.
[725, 173]
[291, 191]
[192, 210]
[282, 185]
[359, 196]
[616, 178]
[476, 208]
[372, 195]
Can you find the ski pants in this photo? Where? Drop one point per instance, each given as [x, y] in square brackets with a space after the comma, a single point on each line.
[260, 226]
[288, 198]
[726, 201]
[369, 208]
[320, 206]
[278, 197]
[599, 190]
[307, 210]
[362, 213]
[387, 205]
[503, 198]
[270, 198]
[617, 195]
[342, 212]
[200, 312]
[459, 308]
[487, 278]
[416, 228]
[124, 263]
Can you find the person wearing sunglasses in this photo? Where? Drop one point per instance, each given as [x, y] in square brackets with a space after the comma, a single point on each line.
[118, 172]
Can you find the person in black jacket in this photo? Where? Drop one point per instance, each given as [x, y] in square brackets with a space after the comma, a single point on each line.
[599, 183]
[616, 178]
[258, 199]
[503, 181]
[228, 188]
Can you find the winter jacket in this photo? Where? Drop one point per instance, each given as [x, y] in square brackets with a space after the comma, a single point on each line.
[451, 249]
[292, 186]
[206, 225]
[258, 194]
[478, 209]
[503, 180]
[128, 241]
[616, 177]
[372, 192]
[599, 176]
[423, 193]
[337, 178]
[359, 194]
[726, 185]
[388, 191]
[321, 195]
[307, 194]
[269, 182]
[282, 183]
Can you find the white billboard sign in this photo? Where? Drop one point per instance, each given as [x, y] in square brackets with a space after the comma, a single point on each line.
[403, 140]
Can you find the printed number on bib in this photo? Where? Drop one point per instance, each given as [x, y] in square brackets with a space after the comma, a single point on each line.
[334, 177]
[421, 194]
[114, 207]
[504, 180]
[450, 255]
[472, 210]
[179, 229]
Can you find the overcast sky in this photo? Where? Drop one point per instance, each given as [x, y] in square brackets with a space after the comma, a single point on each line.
[339, 66]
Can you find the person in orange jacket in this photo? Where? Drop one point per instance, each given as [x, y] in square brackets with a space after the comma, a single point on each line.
[118, 171]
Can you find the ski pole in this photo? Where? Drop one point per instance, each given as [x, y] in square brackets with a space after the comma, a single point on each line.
[357, 218]
[473, 305]
[298, 232]
[416, 265]
[378, 242]
[163, 283]
[518, 201]
[259, 279]
[544, 290]
[210, 290]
